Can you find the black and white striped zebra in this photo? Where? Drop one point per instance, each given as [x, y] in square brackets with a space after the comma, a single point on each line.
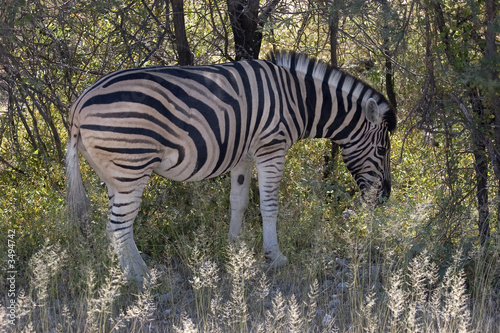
[193, 123]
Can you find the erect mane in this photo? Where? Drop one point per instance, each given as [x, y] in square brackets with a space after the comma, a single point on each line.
[317, 69]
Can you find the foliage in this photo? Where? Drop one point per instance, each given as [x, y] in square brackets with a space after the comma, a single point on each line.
[414, 264]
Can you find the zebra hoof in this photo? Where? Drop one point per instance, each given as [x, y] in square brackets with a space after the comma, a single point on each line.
[278, 262]
[140, 278]
[136, 271]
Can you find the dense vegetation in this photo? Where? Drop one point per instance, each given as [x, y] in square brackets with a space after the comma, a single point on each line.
[428, 260]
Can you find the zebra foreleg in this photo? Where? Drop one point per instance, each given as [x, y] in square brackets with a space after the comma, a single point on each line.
[240, 185]
[270, 174]
[124, 209]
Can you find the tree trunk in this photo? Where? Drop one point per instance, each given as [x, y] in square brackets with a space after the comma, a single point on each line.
[388, 54]
[247, 23]
[490, 56]
[333, 27]
[181, 42]
[244, 22]
[389, 77]
[481, 168]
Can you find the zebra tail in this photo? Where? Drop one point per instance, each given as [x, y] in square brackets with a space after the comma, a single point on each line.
[76, 198]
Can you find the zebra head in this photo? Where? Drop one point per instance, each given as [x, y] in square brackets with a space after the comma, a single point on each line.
[367, 153]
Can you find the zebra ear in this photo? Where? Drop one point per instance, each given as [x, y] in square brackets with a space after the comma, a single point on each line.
[372, 111]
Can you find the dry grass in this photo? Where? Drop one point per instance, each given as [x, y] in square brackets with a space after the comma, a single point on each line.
[234, 292]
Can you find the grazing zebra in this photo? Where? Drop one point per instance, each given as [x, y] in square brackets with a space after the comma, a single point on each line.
[193, 123]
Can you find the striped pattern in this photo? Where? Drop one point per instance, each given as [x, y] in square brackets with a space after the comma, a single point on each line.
[193, 123]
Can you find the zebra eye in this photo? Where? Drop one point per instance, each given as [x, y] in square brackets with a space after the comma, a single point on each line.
[381, 151]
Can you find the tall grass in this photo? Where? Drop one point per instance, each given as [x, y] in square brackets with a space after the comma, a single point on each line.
[237, 293]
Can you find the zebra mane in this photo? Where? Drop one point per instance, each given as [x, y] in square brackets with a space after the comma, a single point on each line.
[301, 63]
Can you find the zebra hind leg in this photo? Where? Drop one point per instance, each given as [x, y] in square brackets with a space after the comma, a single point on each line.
[123, 211]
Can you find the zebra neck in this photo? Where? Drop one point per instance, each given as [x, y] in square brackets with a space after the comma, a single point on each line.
[331, 112]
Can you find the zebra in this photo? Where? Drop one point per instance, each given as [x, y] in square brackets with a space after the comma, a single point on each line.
[196, 122]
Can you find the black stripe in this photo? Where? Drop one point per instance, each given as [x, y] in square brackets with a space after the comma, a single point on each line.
[263, 95]
[123, 204]
[138, 167]
[326, 110]
[302, 107]
[246, 103]
[129, 180]
[127, 151]
[124, 214]
[124, 228]
[136, 115]
[285, 84]
[127, 192]
[120, 222]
